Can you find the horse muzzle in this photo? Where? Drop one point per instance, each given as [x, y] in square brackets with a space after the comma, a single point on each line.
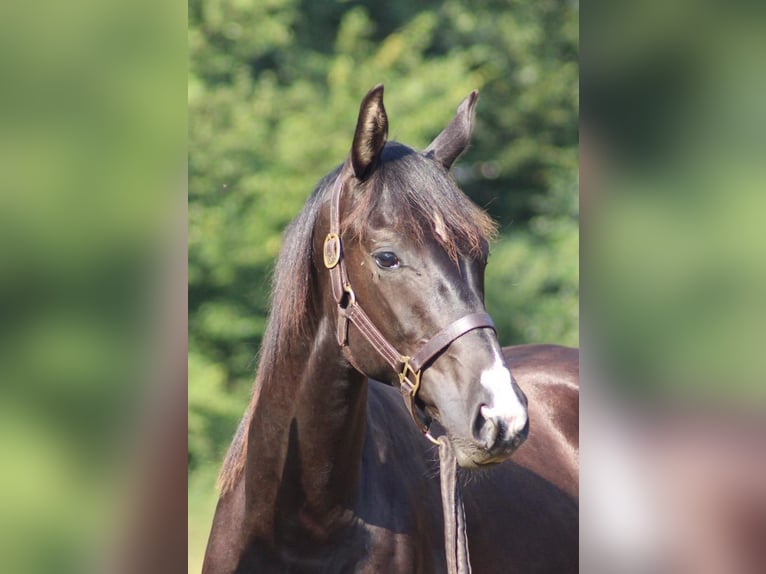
[500, 432]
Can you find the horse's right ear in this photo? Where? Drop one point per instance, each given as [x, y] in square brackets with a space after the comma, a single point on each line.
[453, 140]
[371, 133]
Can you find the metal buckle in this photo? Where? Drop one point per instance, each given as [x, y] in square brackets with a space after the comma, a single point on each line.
[412, 389]
[404, 376]
[331, 250]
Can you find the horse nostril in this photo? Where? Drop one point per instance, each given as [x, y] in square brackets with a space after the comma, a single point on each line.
[487, 428]
[478, 423]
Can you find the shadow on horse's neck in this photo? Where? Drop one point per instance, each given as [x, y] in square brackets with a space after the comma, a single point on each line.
[305, 441]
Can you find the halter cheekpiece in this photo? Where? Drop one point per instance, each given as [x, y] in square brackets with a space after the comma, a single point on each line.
[408, 368]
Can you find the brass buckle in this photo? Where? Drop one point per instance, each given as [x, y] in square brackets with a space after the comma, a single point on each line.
[404, 376]
[331, 250]
[412, 388]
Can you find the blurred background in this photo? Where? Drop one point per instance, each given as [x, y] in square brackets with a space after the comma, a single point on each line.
[274, 93]
[92, 283]
[673, 194]
[96, 98]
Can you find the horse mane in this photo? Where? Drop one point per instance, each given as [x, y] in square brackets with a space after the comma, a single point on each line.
[290, 304]
[425, 199]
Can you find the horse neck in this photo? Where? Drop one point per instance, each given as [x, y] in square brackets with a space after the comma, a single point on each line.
[305, 441]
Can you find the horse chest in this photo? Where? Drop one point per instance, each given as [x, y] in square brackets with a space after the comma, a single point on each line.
[398, 515]
[364, 548]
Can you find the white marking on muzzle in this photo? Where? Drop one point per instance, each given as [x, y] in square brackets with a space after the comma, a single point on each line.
[505, 404]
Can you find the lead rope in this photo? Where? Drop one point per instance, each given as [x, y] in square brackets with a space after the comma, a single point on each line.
[455, 538]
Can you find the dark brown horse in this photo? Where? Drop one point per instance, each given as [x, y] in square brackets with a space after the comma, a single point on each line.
[327, 472]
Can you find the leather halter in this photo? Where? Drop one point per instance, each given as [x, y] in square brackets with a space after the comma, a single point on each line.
[408, 368]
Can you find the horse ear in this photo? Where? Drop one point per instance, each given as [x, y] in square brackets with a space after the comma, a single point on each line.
[371, 133]
[453, 140]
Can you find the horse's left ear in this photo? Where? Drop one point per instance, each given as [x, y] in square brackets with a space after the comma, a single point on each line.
[371, 133]
[453, 140]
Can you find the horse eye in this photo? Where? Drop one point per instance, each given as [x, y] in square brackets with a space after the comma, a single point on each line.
[386, 260]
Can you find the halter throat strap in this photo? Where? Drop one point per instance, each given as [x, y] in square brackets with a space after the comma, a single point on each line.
[409, 369]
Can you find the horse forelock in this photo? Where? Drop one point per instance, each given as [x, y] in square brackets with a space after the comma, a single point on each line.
[424, 201]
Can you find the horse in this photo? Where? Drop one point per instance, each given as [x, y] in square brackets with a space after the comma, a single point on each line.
[378, 295]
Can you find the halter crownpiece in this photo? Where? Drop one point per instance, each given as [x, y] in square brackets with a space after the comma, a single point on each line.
[409, 369]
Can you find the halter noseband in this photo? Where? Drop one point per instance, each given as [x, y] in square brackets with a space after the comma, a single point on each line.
[408, 368]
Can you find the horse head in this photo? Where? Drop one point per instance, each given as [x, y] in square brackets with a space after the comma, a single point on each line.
[408, 247]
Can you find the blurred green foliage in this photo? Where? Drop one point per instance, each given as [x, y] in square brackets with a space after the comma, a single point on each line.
[91, 172]
[675, 245]
[274, 91]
